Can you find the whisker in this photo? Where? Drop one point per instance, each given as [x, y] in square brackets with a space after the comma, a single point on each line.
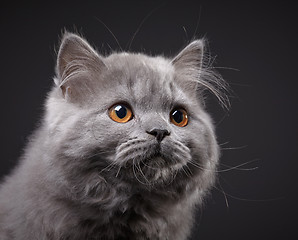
[149, 166]
[184, 170]
[184, 29]
[191, 173]
[224, 143]
[141, 24]
[225, 195]
[197, 165]
[108, 168]
[110, 32]
[234, 148]
[237, 167]
[175, 175]
[100, 152]
[222, 119]
[247, 199]
[240, 84]
[227, 68]
[134, 172]
[140, 169]
[126, 144]
[118, 171]
[198, 23]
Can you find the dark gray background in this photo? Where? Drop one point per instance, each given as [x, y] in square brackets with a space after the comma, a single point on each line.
[259, 40]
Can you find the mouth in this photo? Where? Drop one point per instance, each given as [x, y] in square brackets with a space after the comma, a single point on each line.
[152, 164]
[157, 159]
[156, 169]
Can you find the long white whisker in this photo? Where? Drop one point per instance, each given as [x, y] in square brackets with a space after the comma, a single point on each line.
[197, 165]
[108, 168]
[110, 32]
[149, 166]
[224, 143]
[198, 23]
[247, 199]
[134, 172]
[237, 167]
[139, 167]
[234, 148]
[118, 171]
[184, 170]
[141, 24]
[227, 68]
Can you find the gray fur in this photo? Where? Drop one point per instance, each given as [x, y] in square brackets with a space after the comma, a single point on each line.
[85, 176]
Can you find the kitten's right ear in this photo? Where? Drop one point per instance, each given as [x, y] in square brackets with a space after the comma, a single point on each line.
[75, 57]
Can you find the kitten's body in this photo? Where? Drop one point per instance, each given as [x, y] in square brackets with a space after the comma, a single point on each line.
[85, 176]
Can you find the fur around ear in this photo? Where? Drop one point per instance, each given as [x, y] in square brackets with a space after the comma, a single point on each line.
[191, 56]
[188, 65]
[76, 60]
[195, 77]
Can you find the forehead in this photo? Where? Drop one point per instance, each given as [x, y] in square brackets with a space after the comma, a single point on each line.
[141, 80]
[139, 66]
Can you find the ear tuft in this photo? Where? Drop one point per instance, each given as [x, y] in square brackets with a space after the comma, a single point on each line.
[195, 77]
[188, 65]
[191, 56]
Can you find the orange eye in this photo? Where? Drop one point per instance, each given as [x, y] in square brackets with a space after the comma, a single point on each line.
[179, 117]
[120, 113]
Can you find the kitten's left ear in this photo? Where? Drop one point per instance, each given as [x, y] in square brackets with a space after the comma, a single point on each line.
[190, 56]
[188, 64]
[194, 78]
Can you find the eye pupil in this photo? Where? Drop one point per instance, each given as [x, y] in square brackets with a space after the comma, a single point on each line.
[121, 111]
[178, 116]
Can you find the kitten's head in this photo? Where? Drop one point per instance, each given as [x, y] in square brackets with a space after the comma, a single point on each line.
[132, 118]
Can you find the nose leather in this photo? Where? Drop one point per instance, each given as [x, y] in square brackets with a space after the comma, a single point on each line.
[159, 133]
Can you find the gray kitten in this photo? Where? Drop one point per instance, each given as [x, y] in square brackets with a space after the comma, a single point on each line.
[125, 149]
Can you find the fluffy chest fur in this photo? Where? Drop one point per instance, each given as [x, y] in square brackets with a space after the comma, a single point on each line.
[135, 218]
